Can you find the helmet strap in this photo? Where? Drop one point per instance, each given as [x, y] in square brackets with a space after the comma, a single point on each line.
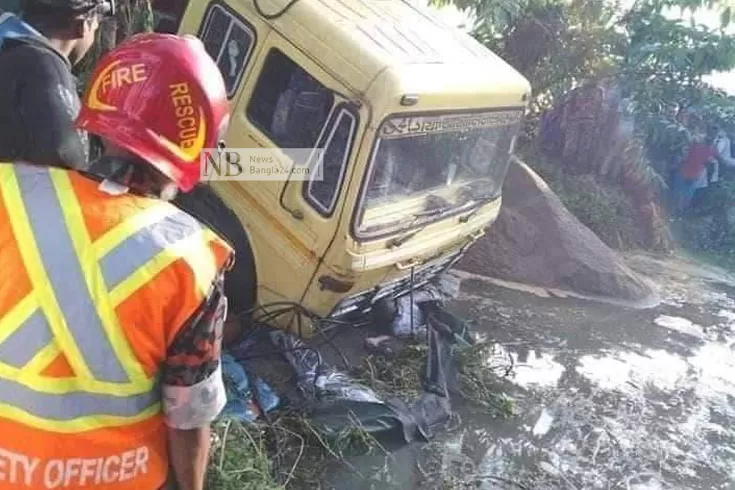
[123, 174]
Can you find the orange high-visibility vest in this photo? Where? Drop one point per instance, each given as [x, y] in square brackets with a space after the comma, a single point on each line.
[93, 289]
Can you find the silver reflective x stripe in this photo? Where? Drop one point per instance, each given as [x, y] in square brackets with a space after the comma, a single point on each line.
[139, 248]
[63, 269]
[67, 407]
[35, 334]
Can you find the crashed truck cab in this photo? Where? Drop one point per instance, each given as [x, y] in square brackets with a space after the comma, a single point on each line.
[416, 122]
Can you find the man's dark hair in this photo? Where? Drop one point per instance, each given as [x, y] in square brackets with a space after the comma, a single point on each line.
[45, 20]
[52, 15]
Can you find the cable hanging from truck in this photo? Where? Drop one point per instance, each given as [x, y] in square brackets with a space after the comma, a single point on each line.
[275, 15]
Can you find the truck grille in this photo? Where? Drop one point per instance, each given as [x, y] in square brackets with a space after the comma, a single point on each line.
[362, 302]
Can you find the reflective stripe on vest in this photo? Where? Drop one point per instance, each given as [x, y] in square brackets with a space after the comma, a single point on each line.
[76, 286]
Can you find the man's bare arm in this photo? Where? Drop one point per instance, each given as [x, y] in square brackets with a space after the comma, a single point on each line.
[193, 390]
[189, 451]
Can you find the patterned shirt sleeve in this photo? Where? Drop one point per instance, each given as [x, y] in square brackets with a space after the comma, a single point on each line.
[193, 389]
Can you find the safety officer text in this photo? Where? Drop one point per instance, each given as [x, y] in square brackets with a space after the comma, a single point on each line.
[23, 470]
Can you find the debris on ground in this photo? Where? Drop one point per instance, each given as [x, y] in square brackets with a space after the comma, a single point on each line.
[404, 317]
[397, 392]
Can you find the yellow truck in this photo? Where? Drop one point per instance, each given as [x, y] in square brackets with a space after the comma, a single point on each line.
[416, 122]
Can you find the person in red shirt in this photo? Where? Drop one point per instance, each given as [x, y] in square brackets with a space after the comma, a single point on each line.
[700, 152]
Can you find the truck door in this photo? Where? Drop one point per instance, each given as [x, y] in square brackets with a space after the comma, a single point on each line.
[294, 104]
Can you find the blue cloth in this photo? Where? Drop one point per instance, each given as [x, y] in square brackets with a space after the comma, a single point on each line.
[11, 26]
[684, 190]
[240, 394]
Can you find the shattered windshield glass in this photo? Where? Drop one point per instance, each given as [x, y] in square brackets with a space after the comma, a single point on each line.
[425, 166]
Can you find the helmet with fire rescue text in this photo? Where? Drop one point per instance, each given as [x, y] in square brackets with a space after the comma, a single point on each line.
[162, 98]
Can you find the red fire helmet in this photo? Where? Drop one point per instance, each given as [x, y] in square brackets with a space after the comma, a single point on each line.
[161, 97]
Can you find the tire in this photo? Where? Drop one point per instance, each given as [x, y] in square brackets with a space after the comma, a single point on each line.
[241, 282]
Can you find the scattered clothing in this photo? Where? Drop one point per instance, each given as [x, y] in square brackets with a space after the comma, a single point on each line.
[246, 401]
[404, 317]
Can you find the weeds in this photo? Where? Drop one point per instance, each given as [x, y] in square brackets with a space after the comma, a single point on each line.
[239, 459]
[401, 376]
[287, 453]
[478, 382]
[398, 376]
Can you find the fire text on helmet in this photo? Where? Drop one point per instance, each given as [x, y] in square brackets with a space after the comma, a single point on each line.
[124, 75]
[114, 76]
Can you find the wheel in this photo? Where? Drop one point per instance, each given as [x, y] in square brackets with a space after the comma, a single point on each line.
[241, 282]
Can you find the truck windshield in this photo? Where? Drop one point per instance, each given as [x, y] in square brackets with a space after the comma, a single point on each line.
[426, 166]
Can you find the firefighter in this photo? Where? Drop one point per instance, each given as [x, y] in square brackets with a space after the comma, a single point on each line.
[112, 303]
[38, 92]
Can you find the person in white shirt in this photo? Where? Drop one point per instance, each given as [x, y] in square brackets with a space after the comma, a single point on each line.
[722, 143]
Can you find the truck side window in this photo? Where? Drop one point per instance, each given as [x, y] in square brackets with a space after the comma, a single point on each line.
[289, 105]
[322, 193]
[167, 15]
[229, 40]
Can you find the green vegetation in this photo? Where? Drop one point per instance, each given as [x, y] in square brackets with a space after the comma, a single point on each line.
[401, 376]
[239, 459]
[610, 84]
[707, 231]
[288, 452]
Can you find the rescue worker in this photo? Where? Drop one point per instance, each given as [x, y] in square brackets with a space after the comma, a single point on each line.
[112, 304]
[38, 92]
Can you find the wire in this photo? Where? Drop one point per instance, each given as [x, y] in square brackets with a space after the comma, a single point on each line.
[413, 334]
[277, 14]
[268, 316]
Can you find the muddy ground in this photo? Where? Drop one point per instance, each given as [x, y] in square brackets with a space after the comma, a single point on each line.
[606, 396]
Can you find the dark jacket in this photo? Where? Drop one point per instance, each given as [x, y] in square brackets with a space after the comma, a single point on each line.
[38, 103]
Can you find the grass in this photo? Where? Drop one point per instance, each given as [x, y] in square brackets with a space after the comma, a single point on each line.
[694, 235]
[288, 453]
[707, 230]
[401, 376]
[239, 459]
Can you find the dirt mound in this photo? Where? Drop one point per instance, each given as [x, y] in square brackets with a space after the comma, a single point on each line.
[537, 241]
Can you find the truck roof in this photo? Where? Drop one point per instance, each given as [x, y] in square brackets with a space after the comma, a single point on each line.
[393, 36]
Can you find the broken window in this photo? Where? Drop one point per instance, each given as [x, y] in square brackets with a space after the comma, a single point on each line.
[336, 143]
[229, 41]
[289, 105]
